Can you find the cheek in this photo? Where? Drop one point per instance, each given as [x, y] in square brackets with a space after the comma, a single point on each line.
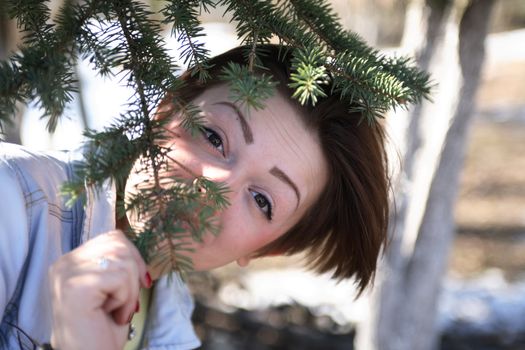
[240, 231]
[188, 159]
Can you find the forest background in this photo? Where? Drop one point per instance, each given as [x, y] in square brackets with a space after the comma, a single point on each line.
[488, 254]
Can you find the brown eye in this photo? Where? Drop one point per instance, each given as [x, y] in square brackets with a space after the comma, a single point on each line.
[263, 203]
[213, 139]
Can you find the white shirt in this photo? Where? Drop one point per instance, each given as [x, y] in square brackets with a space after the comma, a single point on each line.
[36, 228]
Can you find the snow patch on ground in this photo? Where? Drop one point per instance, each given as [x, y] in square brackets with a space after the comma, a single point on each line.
[486, 305]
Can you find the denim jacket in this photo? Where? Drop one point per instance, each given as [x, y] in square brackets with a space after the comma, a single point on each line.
[36, 228]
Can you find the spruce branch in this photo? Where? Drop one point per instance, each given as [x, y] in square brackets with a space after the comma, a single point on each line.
[31, 17]
[126, 16]
[251, 19]
[122, 38]
[247, 89]
[43, 69]
[183, 15]
[320, 19]
[308, 76]
[318, 28]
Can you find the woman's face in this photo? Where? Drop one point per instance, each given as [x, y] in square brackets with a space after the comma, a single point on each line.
[272, 164]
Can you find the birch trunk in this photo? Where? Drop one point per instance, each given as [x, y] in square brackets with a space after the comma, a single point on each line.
[404, 302]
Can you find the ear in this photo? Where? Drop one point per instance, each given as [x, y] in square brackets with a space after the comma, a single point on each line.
[244, 261]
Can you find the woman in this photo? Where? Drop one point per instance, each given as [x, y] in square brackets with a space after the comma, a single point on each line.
[309, 179]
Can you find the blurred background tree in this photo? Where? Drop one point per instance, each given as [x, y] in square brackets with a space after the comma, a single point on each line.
[448, 39]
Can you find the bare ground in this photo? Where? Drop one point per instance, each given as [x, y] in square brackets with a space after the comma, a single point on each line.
[490, 212]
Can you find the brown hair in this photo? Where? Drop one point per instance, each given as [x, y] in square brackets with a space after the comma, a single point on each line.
[344, 231]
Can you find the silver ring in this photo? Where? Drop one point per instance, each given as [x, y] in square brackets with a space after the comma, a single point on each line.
[103, 263]
[131, 332]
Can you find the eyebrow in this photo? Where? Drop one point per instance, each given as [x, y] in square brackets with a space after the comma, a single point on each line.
[278, 173]
[246, 130]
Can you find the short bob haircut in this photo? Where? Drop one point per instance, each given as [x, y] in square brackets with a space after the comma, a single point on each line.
[345, 230]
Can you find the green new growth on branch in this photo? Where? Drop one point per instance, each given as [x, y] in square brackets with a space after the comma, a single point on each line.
[123, 38]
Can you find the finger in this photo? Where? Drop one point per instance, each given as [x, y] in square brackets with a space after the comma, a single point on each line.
[121, 336]
[112, 288]
[118, 282]
[141, 264]
[122, 301]
[124, 247]
[142, 269]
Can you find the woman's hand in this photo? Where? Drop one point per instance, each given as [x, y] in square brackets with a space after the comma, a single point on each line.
[95, 292]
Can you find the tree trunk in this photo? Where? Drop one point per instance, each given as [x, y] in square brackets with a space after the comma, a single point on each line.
[9, 37]
[407, 286]
[423, 19]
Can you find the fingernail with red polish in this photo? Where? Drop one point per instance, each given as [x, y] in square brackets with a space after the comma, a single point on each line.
[137, 308]
[148, 280]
